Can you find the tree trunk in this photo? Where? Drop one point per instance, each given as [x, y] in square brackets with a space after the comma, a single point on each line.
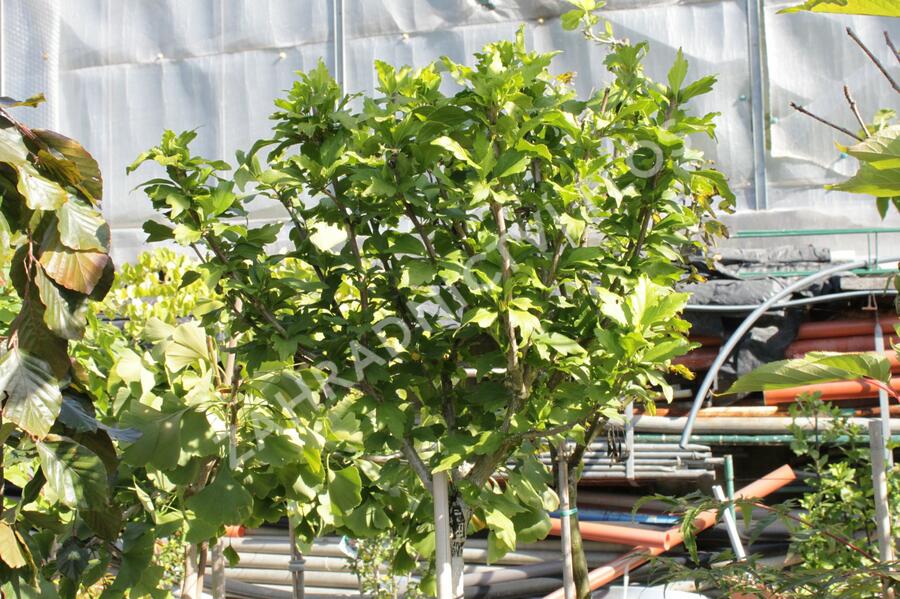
[579, 562]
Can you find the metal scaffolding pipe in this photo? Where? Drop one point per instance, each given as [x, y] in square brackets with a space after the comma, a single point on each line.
[746, 325]
[731, 425]
[803, 301]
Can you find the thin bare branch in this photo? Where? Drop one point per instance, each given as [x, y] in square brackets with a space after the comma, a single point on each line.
[855, 110]
[800, 109]
[875, 60]
[421, 231]
[890, 44]
[416, 463]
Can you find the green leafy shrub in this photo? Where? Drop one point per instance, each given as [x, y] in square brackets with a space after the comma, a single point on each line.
[477, 272]
[833, 546]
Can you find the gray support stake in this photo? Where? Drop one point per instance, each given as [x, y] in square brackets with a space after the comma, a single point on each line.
[883, 401]
[443, 569]
[880, 491]
[730, 525]
[755, 16]
[565, 518]
[629, 441]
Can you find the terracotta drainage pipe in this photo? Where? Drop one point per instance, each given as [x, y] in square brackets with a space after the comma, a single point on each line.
[840, 390]
[860, 343]
[844, 328]
[614, 533]
[701, 358]
[640, 555]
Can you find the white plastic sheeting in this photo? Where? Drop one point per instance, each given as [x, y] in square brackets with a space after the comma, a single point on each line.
[117, 73]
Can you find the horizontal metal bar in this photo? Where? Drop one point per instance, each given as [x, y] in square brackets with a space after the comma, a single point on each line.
[806, 273]
[756, 233]
[818, 299]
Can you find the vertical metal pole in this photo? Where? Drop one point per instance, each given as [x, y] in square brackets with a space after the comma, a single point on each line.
[755, 17]
[218, 570]
[440, 486]
[879, 488]
[730, 524]
[883, 402]
[565, 517]
[338, 40]
[2, 50]
[729, 481]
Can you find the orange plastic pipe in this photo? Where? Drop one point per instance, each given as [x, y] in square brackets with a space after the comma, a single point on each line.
[235, 531]
[640, 555]
[844, 328]
[698, 359]
[616, 533]
[840, 390]
[860, 343]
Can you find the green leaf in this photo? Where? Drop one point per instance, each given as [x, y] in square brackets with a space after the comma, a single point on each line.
[813, 369]
[881, 149]
[186, 235]
[160, 442]
[881, 183]
[137, 552]
[531, 526]
[220, 200]
[701, 86]
[454, 148]
[64, 314]
[33, 399]
[511, 163]
[677, 72]
[73, 472]
[157, 232]
[611, 307]
[666, 350]
[197, 435]
[39, 192]
[12, 147]
[502, 536]
[875, 8]
[81, 226]
[188, 347]
[225, 501]
[344, 489]
[482, 317]
[418, 272]
[571, 19]
[72, 559]
[526, 322]
[10, 550]
[562, 344]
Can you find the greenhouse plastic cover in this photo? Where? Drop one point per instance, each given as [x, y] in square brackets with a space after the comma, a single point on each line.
[116, 73]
